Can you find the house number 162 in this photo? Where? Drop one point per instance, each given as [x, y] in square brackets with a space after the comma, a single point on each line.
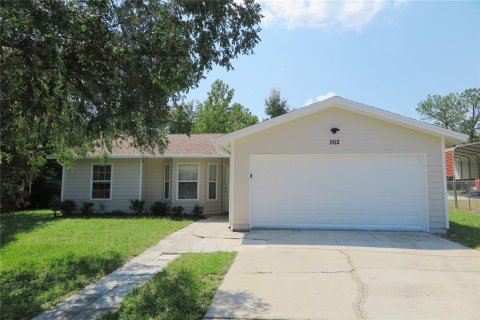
[334, 142]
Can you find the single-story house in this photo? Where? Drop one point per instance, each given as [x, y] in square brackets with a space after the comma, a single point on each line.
[335, 164]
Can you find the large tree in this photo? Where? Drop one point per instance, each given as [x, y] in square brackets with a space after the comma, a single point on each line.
[182, 118]
[78, 74]
[444, 111]
[455, 111]
[274, 105]
[240, 117]
[216, 115]
[471, 125]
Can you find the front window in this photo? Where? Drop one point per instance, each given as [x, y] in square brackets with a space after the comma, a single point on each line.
[101, 181]
[212, 181]
[166, 191]
[187, 182]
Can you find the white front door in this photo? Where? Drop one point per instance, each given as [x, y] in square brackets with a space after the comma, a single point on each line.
[369, 192]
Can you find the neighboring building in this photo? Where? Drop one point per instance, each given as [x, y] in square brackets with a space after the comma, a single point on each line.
[335, 164]
[467, 161]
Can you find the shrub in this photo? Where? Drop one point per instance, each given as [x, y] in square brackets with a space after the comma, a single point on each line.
[159, 208]
[197, 210]
[67, 207]
[117, 212]
[178, 210]
[102, 207]
[55, 205]
[136, 206]
[86, 208]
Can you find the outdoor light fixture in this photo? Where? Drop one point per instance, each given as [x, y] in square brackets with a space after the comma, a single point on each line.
[334, 130]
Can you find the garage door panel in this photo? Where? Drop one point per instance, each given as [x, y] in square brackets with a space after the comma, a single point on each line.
[367, 191]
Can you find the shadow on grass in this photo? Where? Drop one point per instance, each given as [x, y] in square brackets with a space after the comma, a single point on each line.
[13, 223]
[180, 293]
[177, 297]
[467, 235]
[25, 293]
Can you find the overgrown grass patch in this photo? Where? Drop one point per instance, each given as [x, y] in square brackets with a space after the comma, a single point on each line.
[44, 259]
[465, 228]
[183, 290]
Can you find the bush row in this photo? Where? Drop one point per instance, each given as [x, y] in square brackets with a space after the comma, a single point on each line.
[158, 208]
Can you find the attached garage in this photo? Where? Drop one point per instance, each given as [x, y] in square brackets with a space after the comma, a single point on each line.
[338, 164]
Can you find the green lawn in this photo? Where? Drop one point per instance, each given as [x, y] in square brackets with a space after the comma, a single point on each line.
[463, 204]
[465, 228]
[44, 259]
[184, 290]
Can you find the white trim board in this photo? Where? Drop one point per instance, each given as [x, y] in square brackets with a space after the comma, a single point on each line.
[145, 155]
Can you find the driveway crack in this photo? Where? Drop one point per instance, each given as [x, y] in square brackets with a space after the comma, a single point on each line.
[360, 303]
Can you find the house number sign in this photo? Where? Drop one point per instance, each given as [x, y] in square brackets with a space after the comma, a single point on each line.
[334, 142]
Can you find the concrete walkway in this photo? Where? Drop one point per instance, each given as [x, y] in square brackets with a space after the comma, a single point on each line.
[207, 235]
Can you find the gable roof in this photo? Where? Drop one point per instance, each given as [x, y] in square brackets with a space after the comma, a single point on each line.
[451, 137]
[179, 145]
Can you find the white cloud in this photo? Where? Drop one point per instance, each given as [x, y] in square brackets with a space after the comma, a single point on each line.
[320, 98]
[322, 14]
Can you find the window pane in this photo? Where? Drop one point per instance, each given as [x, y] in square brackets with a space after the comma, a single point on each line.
[167, 172]
[166, 192]
[187, 190]
[102, 172]
[212, 172]
[212, 190]
[101, 190]
[187, 172]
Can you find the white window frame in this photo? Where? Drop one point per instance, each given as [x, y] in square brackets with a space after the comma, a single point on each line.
[165, 180]
[92, 181]
[197, 181]
[209, 181]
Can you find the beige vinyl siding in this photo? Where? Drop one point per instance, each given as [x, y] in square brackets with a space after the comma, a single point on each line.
[124, 185]
[126, 179]
[358, 134]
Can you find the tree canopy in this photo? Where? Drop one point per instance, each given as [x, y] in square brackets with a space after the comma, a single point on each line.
[79, 74]
[274, 105]
[216, 115]
[182, 118]
[455, 111]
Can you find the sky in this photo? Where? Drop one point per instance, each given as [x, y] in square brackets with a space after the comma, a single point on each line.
[386, 54]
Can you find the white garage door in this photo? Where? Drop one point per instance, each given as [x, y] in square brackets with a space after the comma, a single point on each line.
[370, 192]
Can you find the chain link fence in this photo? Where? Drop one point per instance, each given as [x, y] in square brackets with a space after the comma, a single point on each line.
[468, 195]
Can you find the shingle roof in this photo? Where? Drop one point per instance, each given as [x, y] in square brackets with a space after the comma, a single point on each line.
[196, 143]
[178, 144]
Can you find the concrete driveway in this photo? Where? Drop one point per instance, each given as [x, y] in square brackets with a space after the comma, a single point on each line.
[309, 274]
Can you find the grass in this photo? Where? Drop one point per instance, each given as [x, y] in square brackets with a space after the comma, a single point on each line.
[45, 259]
[465, 228]
[463, 204]
[183, 290]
